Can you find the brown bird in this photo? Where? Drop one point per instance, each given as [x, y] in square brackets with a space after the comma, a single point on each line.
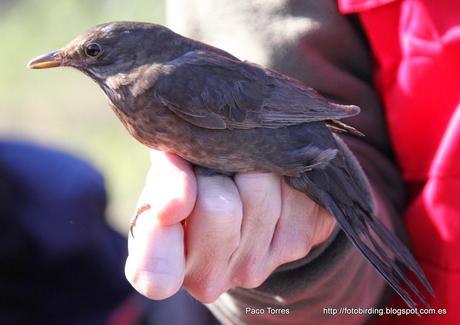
[178, 95]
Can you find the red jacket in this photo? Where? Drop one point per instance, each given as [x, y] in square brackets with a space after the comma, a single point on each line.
[416, 44]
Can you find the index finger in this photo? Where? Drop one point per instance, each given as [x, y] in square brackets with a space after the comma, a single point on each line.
[170, 188]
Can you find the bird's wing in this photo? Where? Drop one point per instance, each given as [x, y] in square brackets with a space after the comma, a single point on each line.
[216, 92]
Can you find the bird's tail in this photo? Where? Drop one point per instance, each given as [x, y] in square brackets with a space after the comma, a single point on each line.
[379, 245]
[343, 191]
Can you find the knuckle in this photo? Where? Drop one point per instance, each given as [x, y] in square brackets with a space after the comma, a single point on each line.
[219, 225]
[175, 208]
[256, 181]
[298, 250]
[326, 226]
[293, 250]
[208, 296]
[261, 207]
[219, 205]
[252, 280]
[206, 290]
[330, 224]
[172, 196]
[249, 273]
[257, 190]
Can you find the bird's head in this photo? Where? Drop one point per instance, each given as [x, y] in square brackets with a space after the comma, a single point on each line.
[108, 49]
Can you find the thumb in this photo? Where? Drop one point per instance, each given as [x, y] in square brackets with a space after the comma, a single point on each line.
[156, 263]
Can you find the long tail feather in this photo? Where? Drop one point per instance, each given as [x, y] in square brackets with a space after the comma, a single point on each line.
[401, 250]
[382, 266]
[396, 267]
[373, 239]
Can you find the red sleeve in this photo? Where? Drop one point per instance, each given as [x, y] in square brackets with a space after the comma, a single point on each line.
[416, 47]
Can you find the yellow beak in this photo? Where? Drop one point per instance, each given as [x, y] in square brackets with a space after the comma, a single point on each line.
[51, 60]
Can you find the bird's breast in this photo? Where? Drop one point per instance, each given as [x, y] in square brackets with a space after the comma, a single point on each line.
[226, 150]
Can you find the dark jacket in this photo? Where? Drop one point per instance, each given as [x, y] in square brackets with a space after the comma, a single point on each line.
[313, 42]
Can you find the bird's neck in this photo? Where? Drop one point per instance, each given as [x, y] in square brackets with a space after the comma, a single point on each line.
[125, 90]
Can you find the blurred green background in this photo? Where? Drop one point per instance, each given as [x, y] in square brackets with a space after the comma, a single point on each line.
[62, 108]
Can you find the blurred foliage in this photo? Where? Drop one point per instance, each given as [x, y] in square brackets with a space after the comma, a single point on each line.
[61, 107]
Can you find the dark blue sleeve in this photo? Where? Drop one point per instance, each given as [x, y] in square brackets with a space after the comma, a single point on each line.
[60, 262]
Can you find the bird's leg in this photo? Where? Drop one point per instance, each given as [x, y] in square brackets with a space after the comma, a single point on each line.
[139, 211]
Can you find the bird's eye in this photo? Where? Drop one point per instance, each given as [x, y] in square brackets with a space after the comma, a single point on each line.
[93, 50]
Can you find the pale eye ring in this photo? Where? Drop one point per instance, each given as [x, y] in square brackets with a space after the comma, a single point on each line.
[93, 50]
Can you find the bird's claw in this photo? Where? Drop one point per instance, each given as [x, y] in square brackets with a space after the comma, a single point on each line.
[139, 211]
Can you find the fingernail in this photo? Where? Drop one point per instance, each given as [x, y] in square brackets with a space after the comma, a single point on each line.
[157, 285]
[155, 280]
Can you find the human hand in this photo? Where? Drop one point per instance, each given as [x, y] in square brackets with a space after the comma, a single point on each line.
[236, 231]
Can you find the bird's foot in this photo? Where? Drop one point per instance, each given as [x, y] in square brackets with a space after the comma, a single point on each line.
[139, 211]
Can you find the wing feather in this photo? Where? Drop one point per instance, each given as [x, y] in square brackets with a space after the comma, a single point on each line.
[217, 92]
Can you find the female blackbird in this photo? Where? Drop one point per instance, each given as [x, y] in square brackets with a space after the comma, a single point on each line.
[176, 94]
